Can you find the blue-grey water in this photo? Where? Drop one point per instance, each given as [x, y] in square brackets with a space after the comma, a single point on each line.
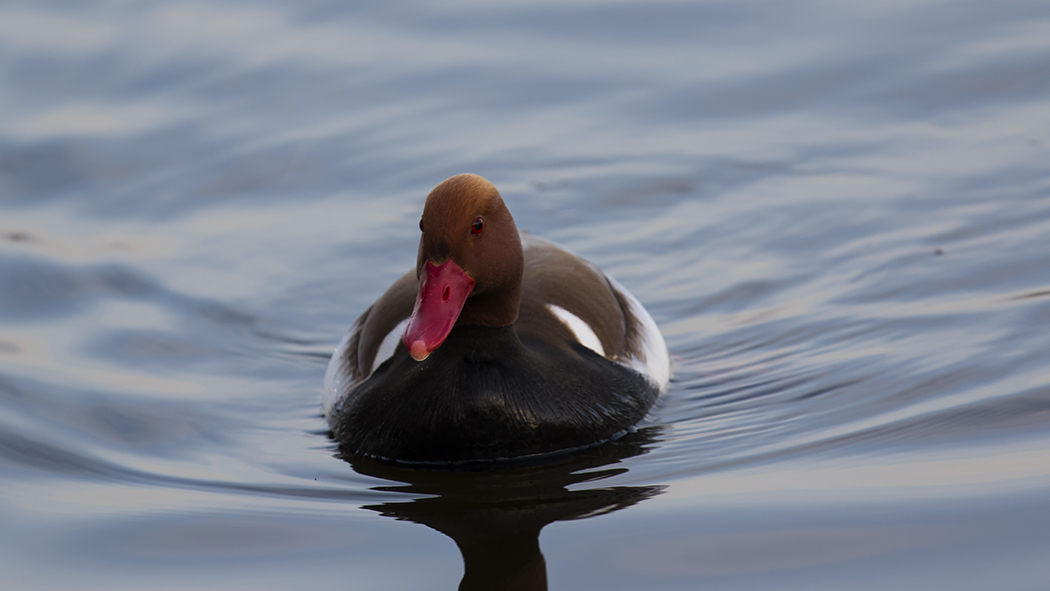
[838, 213]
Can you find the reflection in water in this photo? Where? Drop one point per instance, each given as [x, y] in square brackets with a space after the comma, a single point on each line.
[495, 517]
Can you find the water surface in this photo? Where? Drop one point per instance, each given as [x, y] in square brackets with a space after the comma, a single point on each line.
[839, 215]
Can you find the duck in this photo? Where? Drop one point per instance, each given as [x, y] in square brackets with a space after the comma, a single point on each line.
[498, 345]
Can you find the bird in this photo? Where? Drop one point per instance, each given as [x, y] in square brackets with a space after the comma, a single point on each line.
[499, 345]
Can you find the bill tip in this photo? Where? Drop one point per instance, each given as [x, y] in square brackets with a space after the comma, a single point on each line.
[418, 350]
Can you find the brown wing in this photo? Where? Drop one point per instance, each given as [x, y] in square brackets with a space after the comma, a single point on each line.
[559, 277]
[376, 323]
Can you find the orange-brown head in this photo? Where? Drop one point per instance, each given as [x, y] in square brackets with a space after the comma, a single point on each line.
[470, 263]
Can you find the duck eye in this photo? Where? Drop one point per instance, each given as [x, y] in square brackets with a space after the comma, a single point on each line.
[478, 225]
[420, 224]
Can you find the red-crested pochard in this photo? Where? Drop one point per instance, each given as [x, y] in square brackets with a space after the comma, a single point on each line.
[497, 345]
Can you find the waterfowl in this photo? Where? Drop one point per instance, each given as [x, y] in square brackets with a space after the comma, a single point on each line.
[497, 345]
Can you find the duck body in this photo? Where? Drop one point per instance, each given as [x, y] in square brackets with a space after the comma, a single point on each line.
[523, 349]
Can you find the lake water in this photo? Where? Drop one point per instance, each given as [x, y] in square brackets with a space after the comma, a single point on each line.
[837, 212]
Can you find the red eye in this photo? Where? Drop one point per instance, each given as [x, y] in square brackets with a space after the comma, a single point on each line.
[478, 226]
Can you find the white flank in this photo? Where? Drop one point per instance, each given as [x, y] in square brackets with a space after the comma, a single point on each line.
[390, 341]
[337, 376]
[655, 361]
[583, 332]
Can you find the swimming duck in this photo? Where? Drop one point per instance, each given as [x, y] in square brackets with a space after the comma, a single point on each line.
[497, 345]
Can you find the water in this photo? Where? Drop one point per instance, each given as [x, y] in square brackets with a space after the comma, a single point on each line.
[838, 213]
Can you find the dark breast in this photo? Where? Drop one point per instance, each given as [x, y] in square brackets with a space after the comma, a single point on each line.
[490, 393]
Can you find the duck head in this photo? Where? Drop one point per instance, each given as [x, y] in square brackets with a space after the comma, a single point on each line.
[469, 266]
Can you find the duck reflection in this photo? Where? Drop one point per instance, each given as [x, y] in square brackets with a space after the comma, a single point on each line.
[495, 516]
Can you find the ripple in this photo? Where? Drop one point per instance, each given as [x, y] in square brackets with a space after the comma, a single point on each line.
[839, 218]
